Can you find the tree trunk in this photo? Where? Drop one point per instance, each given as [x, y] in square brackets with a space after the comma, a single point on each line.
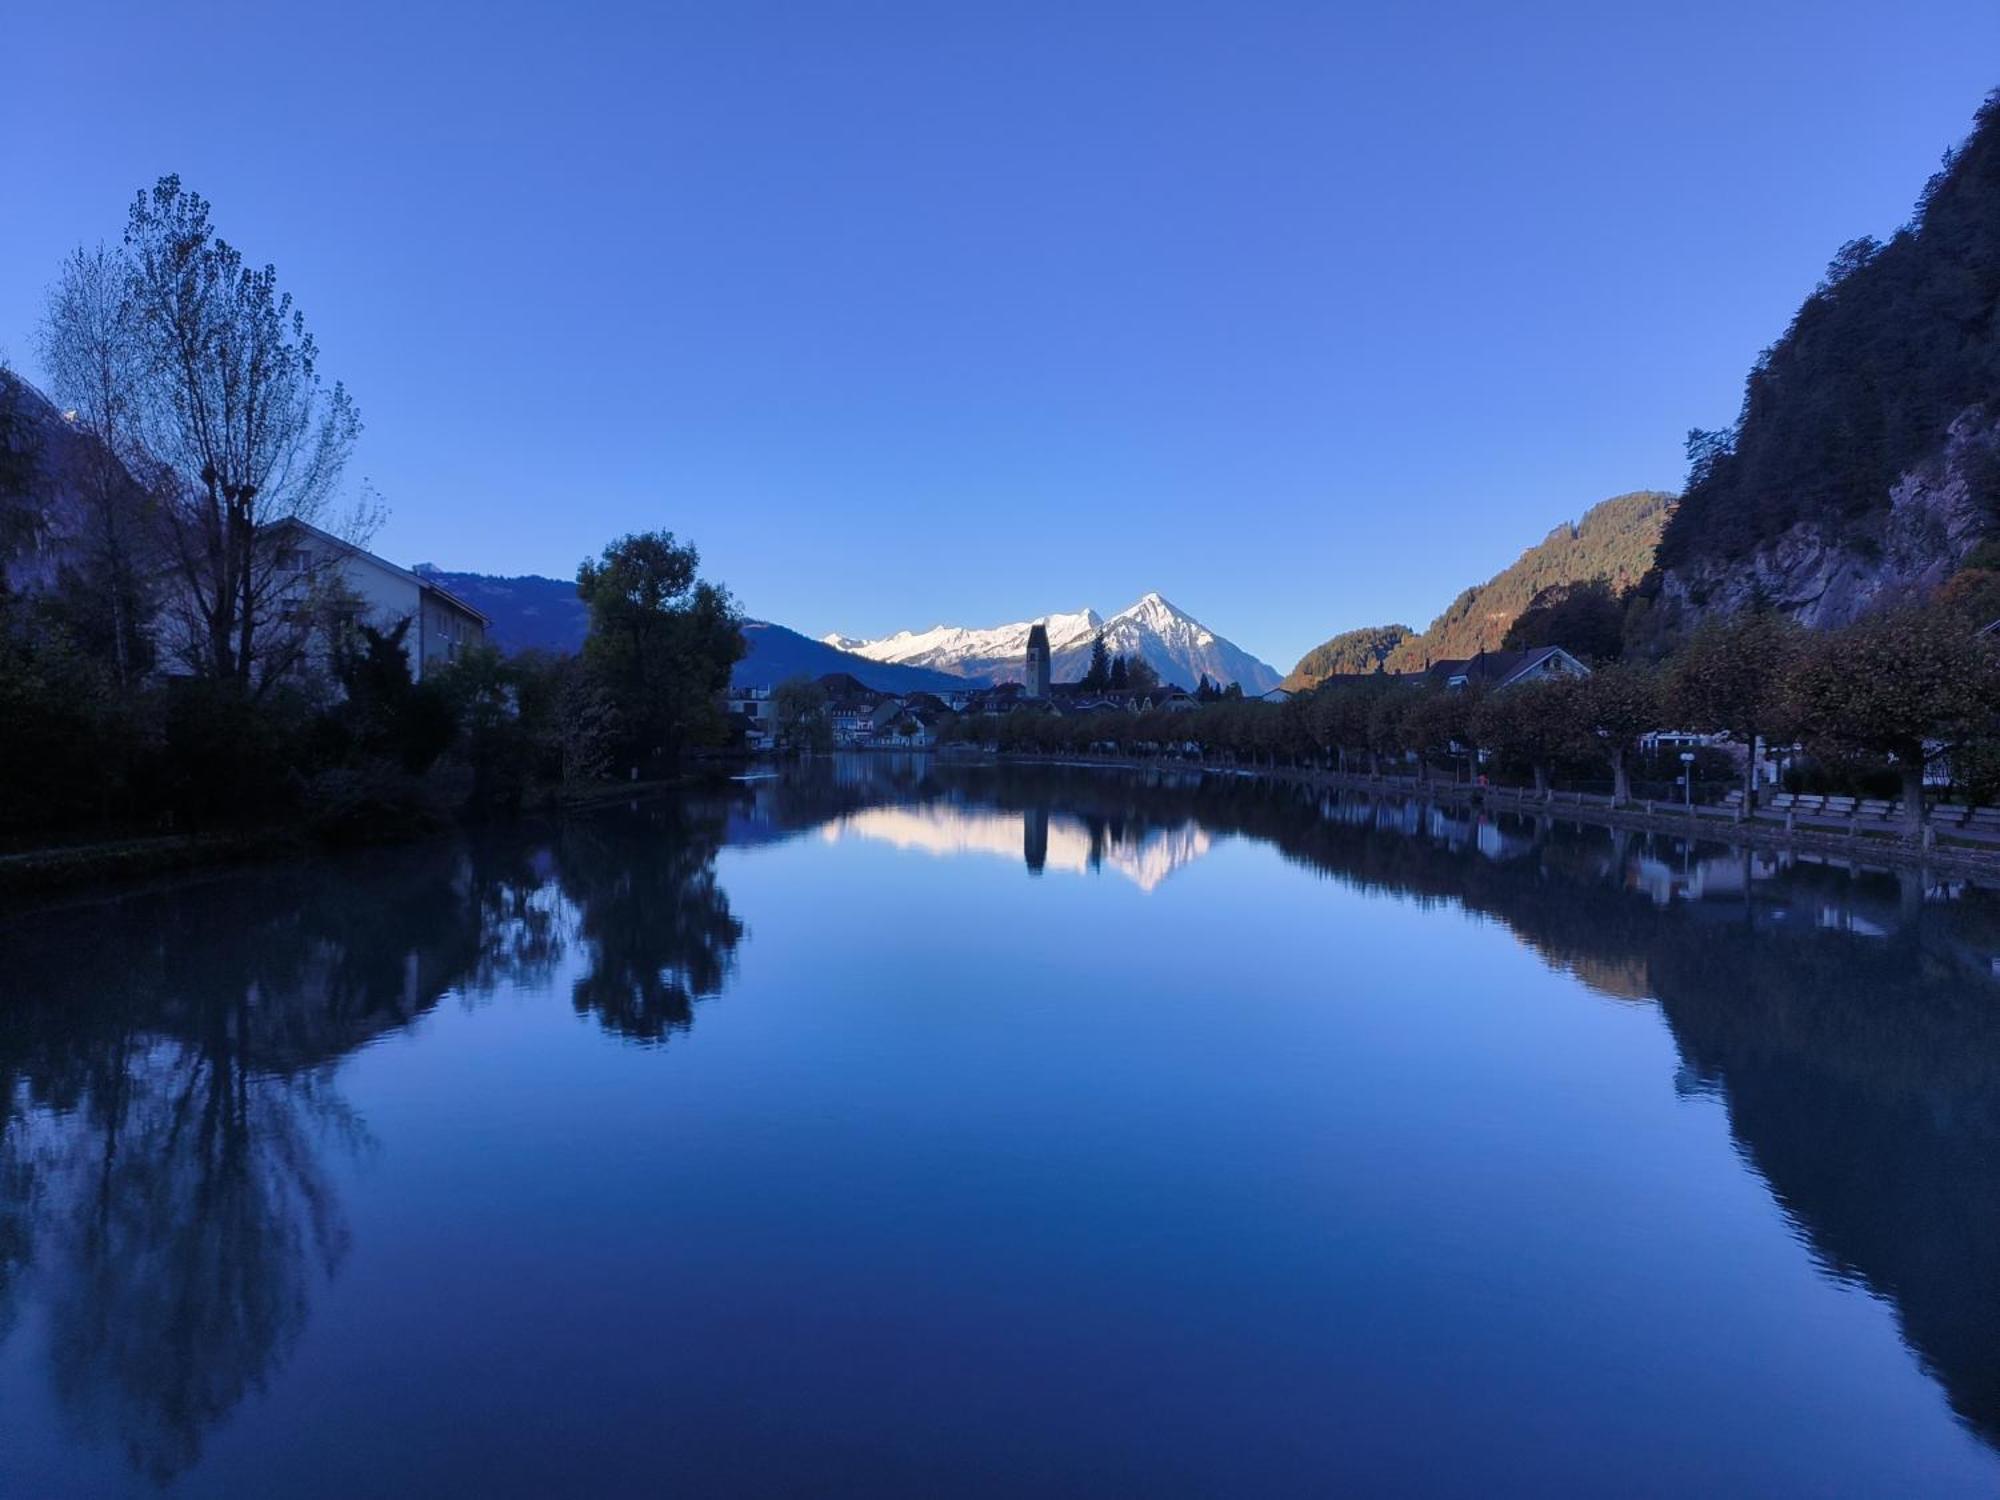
[1621, 779]
[1913, 795]
[1749, 775]
[1541, 780]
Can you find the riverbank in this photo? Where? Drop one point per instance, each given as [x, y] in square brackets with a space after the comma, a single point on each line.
[1951, 851]
[113, 862]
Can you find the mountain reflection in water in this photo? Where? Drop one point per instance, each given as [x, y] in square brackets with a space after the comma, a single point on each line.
[170, 1059]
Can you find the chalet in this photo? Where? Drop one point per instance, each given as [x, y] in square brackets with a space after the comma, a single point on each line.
[1502, 669]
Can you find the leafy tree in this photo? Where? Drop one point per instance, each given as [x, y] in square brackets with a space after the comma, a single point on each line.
[1728, 677]
[662, 641]
[1440, 723]
[1536, 721]
[1139, 675]
[1118, 674]
[384, 711]
[495, 708]
[1618, 704]
[799, 708]
[1908, 683]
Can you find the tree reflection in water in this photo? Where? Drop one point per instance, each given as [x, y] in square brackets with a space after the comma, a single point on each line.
[169, 1076]
[656, 927]
[169, 1082]
[1849, 1023]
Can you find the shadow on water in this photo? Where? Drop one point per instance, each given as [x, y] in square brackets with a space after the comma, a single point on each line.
[169, 1060]
[168, 1068]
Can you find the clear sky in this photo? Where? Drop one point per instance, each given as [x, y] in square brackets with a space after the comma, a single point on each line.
[1304, 315]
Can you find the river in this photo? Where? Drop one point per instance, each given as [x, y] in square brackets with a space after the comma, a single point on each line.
[891, 1128]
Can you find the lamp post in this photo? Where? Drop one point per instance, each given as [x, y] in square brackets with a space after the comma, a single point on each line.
[1687, 778]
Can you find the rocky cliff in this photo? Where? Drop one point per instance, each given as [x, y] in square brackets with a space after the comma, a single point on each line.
[1862, 466]
[1826, 573]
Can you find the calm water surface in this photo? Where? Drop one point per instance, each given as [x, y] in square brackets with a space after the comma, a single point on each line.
[892, 1129]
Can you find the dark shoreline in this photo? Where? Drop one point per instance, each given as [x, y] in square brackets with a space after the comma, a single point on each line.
[120, 864]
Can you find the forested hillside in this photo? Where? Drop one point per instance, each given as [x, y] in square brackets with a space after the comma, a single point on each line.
[1860, 465]
[1348, 654]
[1614, 541]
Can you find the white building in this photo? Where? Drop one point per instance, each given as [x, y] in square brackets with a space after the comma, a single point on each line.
[308, 582]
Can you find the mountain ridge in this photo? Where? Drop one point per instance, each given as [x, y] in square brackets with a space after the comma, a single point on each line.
[530, 612]
[1615, 539]
[1177, 646]
[1864, 464]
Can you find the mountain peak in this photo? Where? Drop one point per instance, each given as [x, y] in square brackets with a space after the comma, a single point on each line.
[1178, 646]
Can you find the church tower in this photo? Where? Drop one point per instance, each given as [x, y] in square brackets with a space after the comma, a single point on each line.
[1038, 662]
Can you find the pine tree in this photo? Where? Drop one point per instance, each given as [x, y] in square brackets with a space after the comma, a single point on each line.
[1099, 675]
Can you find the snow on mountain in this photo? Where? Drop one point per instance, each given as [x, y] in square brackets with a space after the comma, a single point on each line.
[1179, 647]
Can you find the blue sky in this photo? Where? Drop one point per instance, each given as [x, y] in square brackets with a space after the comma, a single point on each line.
[923, 312]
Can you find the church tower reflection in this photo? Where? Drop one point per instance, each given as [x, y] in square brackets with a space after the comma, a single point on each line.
[1035, 839]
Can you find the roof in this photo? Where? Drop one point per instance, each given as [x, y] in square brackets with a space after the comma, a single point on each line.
[845, 686]
[1038, 637]
[424, 584]
[1495, 668]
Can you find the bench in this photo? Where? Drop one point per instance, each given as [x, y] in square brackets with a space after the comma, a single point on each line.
[1782, 801]
[1948, 814]
[1873, 810]
[1839, 807]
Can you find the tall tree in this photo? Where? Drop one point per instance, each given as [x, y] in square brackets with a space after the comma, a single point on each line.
[1908, 683]
[1729, 678]
[240, 432]
[91, 349]
[1537, 721]
[1617, 704]
[1099, 676]
[662, 640]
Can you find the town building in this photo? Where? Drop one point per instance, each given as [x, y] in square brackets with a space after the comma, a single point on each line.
[754, 713]
[1037, 679]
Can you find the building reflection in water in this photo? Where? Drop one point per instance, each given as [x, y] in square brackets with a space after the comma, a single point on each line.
[1041, 839]
[169, 1063]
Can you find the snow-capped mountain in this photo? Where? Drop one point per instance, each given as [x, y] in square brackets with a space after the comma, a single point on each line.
[1180, 648]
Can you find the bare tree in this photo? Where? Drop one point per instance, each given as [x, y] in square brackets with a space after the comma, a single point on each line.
[231, 414]
[91, 353]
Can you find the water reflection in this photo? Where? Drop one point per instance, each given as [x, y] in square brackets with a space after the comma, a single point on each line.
[169, 1061]
[1039, 837]
[1848, 1019]
[656, 928]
